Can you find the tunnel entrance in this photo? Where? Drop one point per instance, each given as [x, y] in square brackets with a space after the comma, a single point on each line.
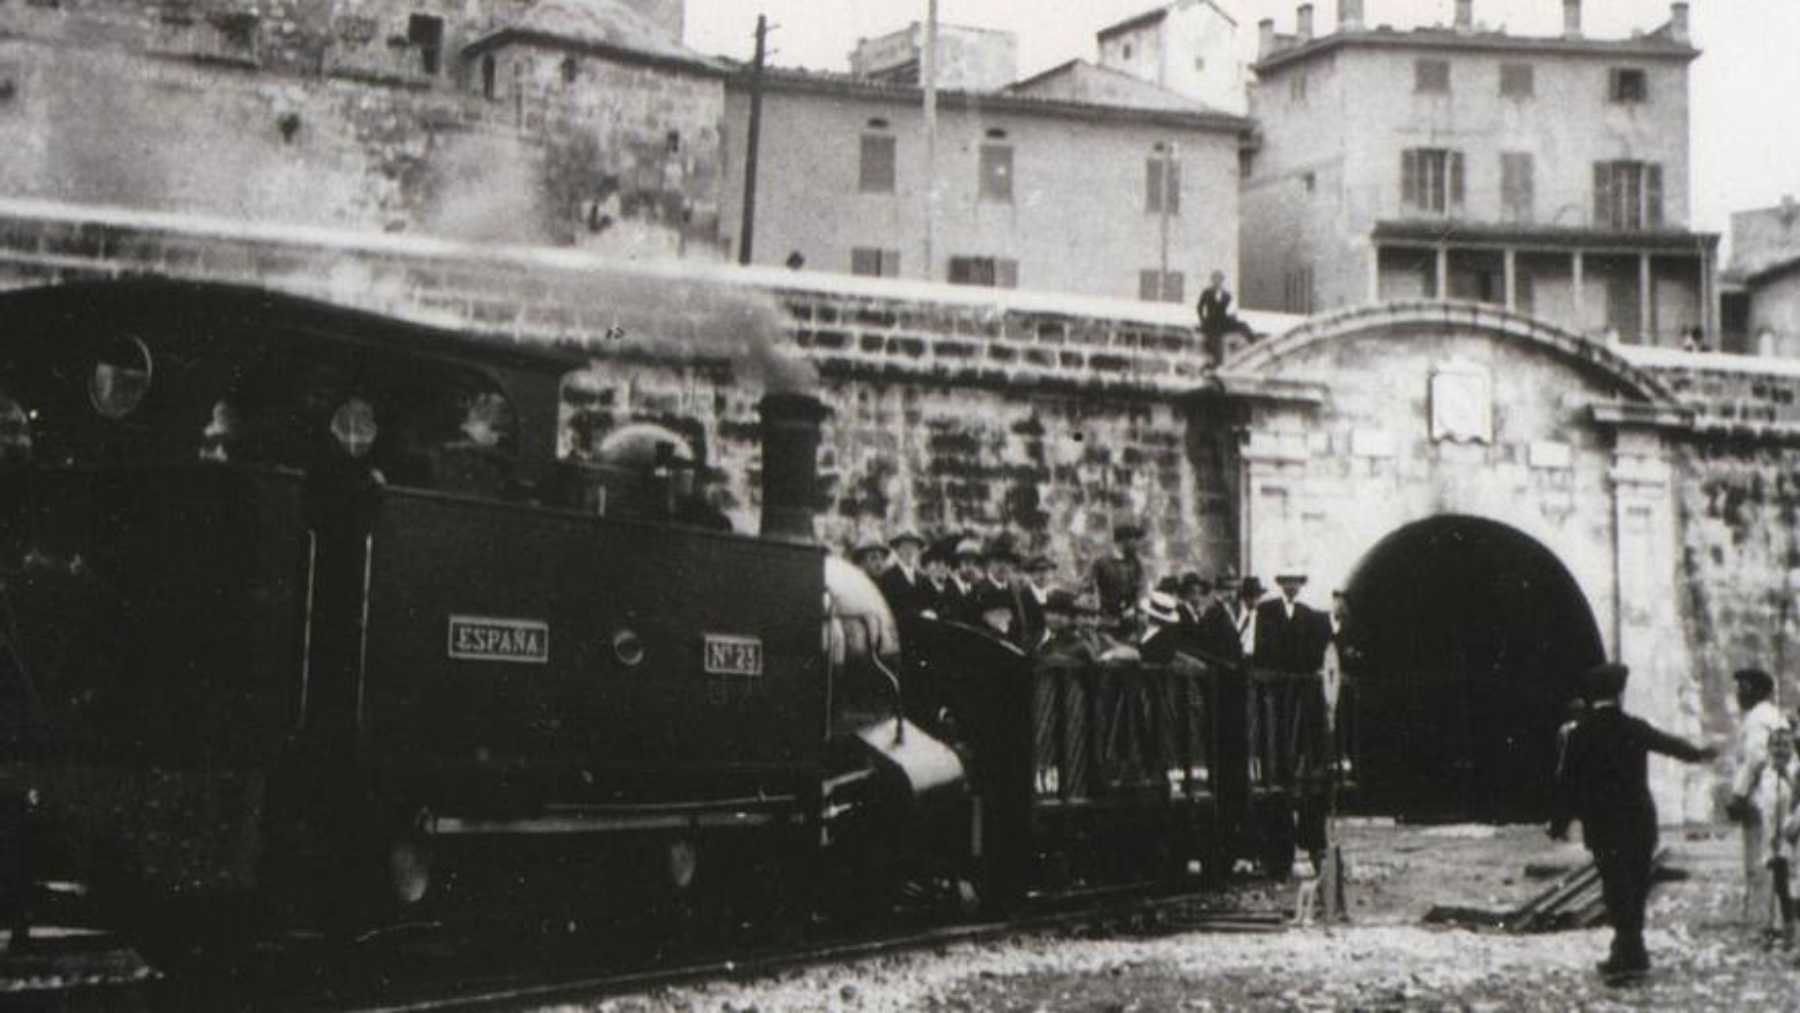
[1471, 636]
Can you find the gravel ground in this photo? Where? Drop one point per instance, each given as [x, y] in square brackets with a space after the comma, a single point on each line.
[1384, 960]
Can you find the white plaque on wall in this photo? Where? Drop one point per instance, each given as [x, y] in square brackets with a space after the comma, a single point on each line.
[1462, 404]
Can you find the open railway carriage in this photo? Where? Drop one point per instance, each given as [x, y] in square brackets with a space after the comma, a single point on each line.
[303, 604]
[1092, 772]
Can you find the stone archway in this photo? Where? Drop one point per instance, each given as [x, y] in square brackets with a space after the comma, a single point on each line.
[1359, 424]
[1470, 632]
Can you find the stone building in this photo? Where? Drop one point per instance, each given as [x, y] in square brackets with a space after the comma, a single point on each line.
[1759, 291]
[1543, 174]
[594, 123]
[1189, 47]
[1052, 193]
[968, 58]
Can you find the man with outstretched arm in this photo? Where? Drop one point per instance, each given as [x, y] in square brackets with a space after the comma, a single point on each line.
[1605, 784]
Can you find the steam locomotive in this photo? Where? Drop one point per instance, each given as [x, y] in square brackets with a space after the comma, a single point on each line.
[343, 620]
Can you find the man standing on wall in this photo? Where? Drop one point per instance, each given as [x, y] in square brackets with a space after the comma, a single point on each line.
[1216, 319]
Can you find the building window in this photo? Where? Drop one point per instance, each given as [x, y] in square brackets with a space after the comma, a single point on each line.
[997, 172]
[1627, 84]
[427, 33]
[1516, 80]
[995, 272]
[1127, 50]
[871, 262]
[1515, 186]
[1297, 86]
[1628, 195]
[487, 76]
[1431, 75]
[1158, 286]
[571, 69]
[877, 172]
[1431, 180]
[1157, 186]
[1297, 291]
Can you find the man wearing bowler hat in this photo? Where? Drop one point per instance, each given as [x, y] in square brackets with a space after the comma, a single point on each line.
[1605, 784]
[902, 584]
[958, 601]
[1290, 636]
[870, 556]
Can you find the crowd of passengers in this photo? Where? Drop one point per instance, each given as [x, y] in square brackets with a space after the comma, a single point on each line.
[1116, 614]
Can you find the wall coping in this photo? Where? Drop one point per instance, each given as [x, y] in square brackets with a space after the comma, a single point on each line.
[777, 279]
[1262, 356]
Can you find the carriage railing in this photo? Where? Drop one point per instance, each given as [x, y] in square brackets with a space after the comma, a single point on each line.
[1123, 729]
[1286, 728]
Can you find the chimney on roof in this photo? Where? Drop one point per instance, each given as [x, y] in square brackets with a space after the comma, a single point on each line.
[1678, 21]
[1571, 19]
[1465, 15]
[1350, 15]
[1265, 38]
[1303, 22]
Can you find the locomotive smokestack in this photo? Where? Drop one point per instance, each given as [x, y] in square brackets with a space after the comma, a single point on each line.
[790, 464]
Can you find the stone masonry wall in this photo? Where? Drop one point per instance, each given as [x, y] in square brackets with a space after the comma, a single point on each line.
[325, 113]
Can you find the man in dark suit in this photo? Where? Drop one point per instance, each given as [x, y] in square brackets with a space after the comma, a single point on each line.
[1604, 784]
[1034, 598]
[1290, 636]
[902, 584]
[1120, 578]
[1215, 635]
[958, 602]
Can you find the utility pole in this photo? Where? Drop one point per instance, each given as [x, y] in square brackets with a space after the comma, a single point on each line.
[929, 66]
[747, 232]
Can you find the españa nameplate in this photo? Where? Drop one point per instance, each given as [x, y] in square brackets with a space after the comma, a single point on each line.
[484, 638]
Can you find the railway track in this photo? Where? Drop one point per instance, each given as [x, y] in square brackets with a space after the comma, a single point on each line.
[388, 975]
[1126, 910]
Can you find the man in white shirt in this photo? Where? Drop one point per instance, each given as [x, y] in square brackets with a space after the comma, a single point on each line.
[1755, 692]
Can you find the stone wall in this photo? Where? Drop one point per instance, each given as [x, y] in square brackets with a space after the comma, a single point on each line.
[330, 113]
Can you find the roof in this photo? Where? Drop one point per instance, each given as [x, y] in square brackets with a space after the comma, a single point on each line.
[1151, 17]
[792, 81]
[1770, 271]
[1084, 81]
[606, 27]
[1656, 45]
[1437, 230]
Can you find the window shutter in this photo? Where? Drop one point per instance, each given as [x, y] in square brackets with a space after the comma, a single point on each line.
[1173, 189]
[1174, 287]
[1456, 179]
[1527, 196]
[877, 175]
[1148, 289]
[1409, 177]
[1153, 185]
[1653, 216]
[1603, 194]
[865, 261]
[1006, 273]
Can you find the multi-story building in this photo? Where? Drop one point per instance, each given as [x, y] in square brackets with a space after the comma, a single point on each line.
[968, 58]
[1759, 291]
[1544, 174]
[1030, 192]
[1189, 47]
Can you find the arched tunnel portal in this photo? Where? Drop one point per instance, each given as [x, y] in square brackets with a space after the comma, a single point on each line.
[1471, 634]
